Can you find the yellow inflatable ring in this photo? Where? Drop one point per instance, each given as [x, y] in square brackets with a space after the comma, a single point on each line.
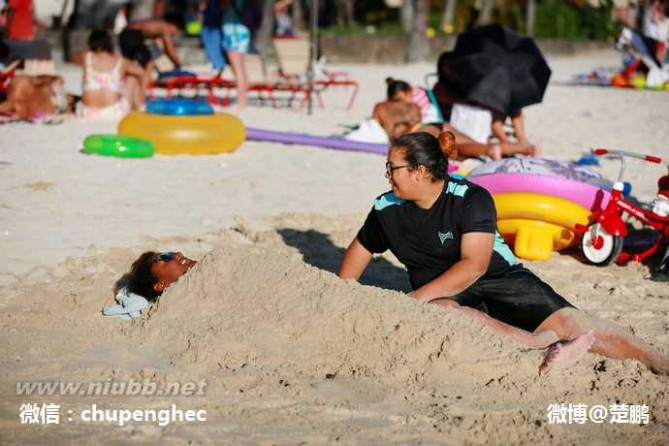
[186, 135]
[534, 240]
[536, 224]
[539, 207]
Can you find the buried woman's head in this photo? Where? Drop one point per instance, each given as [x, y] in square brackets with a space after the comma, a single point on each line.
[152, 272]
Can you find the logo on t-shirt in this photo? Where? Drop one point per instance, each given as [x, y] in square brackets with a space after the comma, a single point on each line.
[443, 237]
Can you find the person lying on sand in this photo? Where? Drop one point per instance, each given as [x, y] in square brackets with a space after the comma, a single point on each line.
[398, 115]
[30, 97]
[153, 272]
[445, 232]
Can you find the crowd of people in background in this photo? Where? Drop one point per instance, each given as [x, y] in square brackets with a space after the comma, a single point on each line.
[646, 46]
[124, 56]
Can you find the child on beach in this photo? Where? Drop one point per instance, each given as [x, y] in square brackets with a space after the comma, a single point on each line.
[112, 86]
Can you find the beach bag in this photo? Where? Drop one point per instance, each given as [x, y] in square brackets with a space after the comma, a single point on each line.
[250, 15]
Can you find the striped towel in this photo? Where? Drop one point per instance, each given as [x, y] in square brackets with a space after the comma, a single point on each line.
[420, 97]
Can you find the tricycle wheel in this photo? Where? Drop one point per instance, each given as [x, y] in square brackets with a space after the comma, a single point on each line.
[599, 247]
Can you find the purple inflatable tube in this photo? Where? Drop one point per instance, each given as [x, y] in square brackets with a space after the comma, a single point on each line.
[319, 141]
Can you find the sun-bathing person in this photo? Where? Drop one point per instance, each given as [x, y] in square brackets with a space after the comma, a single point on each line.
[648, 52]
[112, 86]
[397, 117]
[400, 114]
[30, 97]
[399, 90]
[153, 272]
[445, 232]
[656, 26]
[476, 121]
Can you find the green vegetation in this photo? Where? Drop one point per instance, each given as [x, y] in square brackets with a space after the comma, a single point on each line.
[557, 19]
[562, 19]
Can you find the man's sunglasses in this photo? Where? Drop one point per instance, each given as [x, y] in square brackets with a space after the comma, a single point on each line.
[165, 256]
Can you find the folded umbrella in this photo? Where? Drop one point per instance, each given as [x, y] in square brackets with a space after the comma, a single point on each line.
[497, 68]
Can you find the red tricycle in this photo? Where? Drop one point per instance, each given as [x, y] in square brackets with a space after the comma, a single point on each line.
[602, 239]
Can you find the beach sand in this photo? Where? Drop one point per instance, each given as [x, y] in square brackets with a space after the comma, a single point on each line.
[289, 353]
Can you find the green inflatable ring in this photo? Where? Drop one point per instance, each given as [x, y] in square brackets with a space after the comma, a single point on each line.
[119, 146]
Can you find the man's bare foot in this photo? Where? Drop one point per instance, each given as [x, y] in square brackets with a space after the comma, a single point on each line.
[566, 354]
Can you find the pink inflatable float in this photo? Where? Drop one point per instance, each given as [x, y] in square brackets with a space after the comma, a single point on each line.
[542, 176]
[587, 195]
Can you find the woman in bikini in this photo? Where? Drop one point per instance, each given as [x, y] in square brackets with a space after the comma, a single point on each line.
[112, 86]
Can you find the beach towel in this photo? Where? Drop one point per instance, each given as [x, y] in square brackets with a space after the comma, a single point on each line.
[475, 122]
[129, 305]
[429, 113]
[368, 131]
[46, 120]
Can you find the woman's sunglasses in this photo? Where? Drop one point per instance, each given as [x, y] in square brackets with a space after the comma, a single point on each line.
[165, 256]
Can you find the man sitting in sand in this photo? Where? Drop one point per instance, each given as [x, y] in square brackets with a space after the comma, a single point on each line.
[444, 231]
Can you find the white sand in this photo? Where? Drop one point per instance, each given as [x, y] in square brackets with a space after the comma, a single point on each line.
[263, 318]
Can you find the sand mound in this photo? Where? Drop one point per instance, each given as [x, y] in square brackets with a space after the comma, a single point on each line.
[283, 342]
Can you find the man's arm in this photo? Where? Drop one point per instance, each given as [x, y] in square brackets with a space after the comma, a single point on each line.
[355, 261]
[170, 50]
[476, 251]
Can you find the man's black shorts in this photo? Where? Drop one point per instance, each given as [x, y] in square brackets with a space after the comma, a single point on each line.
[518, 298]
[131, 42]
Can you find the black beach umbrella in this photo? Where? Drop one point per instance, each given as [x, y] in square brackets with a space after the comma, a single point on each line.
[497, 68]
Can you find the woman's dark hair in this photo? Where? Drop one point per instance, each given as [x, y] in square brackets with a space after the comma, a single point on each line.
[141, 278]
[395, 86]
[100, 41]
[423, 149]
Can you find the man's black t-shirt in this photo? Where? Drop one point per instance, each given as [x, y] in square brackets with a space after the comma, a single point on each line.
[427, 241]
